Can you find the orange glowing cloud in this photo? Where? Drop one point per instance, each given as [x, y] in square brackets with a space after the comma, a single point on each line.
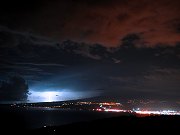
[107, 22]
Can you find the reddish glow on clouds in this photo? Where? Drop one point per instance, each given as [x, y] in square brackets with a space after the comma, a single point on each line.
[107, 22]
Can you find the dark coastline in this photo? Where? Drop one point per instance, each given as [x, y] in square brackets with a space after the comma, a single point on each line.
[121, 124]
[15, 120]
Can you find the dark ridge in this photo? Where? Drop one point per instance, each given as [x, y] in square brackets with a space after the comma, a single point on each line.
[122, 124]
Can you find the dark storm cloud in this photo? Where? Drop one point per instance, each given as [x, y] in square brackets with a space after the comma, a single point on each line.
[10, 38]
[176, 25]
[42, 64]
[16, 67]
[87, 33]
[103, 22]
[125, 71]
[15, 89]
[122, 17]
[156, 83]
[162, 81]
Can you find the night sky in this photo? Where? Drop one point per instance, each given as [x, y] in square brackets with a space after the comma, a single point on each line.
[88, 48]
[97, 21]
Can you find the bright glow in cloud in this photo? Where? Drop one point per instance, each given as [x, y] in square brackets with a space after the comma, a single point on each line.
[50, 96]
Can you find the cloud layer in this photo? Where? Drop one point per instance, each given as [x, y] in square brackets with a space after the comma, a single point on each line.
[126, 71]
[105, 22]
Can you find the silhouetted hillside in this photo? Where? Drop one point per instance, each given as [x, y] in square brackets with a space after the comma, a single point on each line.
[126, 124]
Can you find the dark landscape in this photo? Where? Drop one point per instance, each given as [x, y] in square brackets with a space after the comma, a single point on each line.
[126, 124]
[47, 121]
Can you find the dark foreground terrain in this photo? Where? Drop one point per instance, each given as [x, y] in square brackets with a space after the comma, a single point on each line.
[123, 124]
[11, 123]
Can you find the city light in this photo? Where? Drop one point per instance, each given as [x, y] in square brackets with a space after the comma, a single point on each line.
[164, 112]
[114, 110]
[50, 96]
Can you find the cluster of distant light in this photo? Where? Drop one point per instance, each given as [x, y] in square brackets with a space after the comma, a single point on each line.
[164, 112]
[114, 110]
[111, 110]
[100, 103]
[108, 108]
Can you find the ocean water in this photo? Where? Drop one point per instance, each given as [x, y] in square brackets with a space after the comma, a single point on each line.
[32, 118]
